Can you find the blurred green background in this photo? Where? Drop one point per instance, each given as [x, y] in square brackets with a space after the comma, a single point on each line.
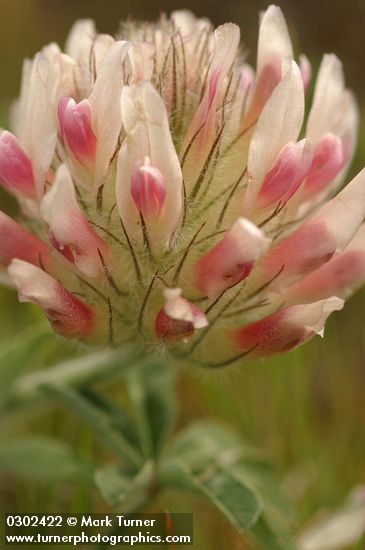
[306, 409]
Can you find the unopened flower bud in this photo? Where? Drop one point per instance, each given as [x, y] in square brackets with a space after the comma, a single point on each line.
[286, 328]
[179, 318]
[232, 259]
[148, 190]
[288, 172]
[328, 160]
[76, 130]
[16, 173]
[67, 314]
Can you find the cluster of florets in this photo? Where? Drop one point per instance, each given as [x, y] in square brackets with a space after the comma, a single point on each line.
[165, 194]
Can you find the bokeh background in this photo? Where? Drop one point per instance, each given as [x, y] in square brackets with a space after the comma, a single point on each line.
[307, 409]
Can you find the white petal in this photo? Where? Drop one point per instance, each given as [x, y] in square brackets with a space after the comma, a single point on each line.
[227, 39]
[313, 316]
[341, 276]
[287, 328]
[80, 38]
[327, 100]
[176, 307]
[348, 120]
[192, 30]
[334, 110]
[106, 108]
[69, 226]
[346, 127]
[67, 314]
[38, 130]
[148, 135]
[141, 55]
[184, 20]
[321, 236]
[274, 40]
[34, 284]
[344, 214]
[180, 309]
[344, 528]
[203, 125]
[78, 45]
[279, 123]
[61, 78]
[100, 48]
[50, 51]
[17, 242]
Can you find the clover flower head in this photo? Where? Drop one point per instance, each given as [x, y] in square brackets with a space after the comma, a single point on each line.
[170, 194]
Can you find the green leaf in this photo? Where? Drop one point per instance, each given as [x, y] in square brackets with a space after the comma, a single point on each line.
[17, 355]
[120, 486]
[44, 459]
[151, 390]
[265, 537]
[93, 367]
[200, 459]
[119, 418]
[99, 420]
[210, 445]
[205, 439]
[276, 516]
[114, 484]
